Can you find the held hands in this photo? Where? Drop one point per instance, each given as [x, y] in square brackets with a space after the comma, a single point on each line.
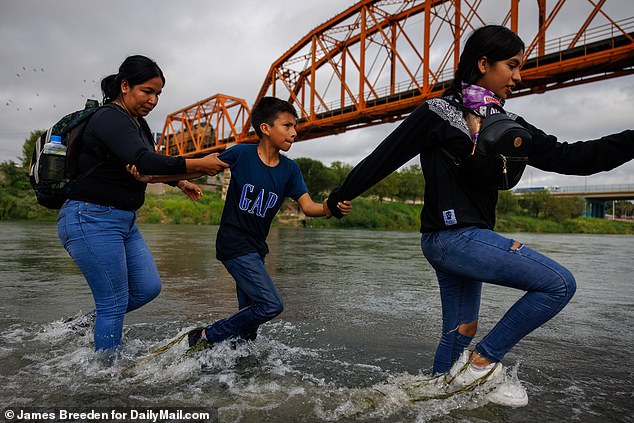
[343, 206]
[190, 189]
[211, 164]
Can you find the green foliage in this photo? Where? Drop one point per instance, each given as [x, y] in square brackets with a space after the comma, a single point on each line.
[28, 146]
[370, 214]
[8, 205]
[15, 179]
[318, 178]
[584, 225]
[174, 207]
[532, 202]
[531, 212]
[559, 209]
[385, 188]
[624, 208]
[580, 225]
[406, 185]
[411, 184]
[507, 203]
[17, 199]
[542, 204]
[340, 171]
[522, 223]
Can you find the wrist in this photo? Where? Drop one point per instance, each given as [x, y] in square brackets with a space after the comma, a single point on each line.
[327, 212]
[333, 209]
[193, 165]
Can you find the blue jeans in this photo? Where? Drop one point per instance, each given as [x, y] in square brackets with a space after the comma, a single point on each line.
[464, 258]
[108, 248]
[258, 300]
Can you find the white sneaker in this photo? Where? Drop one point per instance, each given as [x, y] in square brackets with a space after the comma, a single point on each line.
[469, 376]
[457, 367]
[509, 394]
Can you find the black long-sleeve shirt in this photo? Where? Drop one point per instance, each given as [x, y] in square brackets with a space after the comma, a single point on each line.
[459, 195]
[113, 132]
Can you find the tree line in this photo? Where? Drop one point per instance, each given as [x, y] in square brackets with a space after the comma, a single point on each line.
[17, 200]
[407, 185]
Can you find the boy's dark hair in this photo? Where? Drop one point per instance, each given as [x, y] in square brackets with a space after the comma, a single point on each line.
[496, 42]
[266, 111]
[136, 70]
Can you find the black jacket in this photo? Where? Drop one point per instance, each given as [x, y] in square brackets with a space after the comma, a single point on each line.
[112, 132]
[465, 193]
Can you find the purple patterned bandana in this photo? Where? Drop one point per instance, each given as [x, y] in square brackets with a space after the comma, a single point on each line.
[476, 98]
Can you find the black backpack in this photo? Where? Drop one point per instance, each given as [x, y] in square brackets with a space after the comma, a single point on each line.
[50, 191]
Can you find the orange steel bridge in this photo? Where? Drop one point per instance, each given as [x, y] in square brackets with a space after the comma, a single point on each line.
[377, 60]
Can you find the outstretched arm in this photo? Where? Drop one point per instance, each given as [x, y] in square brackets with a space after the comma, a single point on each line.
[581, 157]
[405, 142]
[195, 168]
[207, 165]
[312, 209]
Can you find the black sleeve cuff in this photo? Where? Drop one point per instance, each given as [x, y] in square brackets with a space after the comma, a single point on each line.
[331, 202]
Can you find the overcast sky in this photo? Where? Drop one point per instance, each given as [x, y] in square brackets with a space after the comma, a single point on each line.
[54, 54]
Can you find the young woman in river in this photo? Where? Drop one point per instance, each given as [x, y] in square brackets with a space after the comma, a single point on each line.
[97, 224]
[465, 162]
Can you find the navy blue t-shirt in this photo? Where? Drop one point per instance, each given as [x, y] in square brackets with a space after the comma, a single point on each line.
[254, 196]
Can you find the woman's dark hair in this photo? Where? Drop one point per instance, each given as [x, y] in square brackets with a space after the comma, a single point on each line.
[496, 42]
[135, 69]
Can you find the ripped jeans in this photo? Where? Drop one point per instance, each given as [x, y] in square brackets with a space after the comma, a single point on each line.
[464, 258]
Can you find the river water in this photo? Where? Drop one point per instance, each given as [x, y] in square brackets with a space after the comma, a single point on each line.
[356, 338]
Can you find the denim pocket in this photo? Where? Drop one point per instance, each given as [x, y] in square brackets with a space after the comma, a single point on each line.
[432, 247]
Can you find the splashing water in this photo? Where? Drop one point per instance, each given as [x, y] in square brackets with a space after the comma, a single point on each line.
[55, 363]
[353, 345]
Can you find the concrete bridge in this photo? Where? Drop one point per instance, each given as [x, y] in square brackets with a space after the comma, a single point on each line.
[597, 197]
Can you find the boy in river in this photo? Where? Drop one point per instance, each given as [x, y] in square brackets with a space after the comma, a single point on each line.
[260, 180]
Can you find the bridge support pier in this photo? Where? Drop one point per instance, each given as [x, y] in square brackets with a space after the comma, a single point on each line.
[594, 208]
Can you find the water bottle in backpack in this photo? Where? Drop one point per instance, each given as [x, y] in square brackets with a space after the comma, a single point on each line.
[53, 160]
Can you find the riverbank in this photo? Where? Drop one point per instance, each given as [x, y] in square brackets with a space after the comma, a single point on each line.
[174, 208]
